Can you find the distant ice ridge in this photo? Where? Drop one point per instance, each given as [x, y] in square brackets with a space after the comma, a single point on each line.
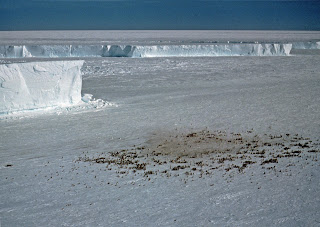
[306, 45]
[229, 49]
[43, 85]
[213, 50]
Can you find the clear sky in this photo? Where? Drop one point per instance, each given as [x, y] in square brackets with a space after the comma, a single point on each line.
[159, 14]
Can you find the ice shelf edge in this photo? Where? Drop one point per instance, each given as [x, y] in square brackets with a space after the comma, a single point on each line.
[29, 86]
[144, 51]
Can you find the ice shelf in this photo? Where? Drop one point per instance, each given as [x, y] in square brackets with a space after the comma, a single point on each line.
[29, 86]
[306, 45]
[188, 50]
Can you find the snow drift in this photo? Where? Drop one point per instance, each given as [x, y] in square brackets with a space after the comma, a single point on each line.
[229, 49]
[28, 86]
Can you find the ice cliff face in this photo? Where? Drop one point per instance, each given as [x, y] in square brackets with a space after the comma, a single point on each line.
[229, 49]
[27, 86]
[306, 45]
[213, 50]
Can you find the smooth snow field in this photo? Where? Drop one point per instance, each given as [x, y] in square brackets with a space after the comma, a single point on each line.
[180, 138]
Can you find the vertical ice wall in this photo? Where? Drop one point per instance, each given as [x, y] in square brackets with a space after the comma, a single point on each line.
[27, 86]
[189, 50]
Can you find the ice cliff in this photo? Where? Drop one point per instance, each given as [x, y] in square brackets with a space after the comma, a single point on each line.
[228, 49]
[28, 86]
[306, 45]
[213, 50]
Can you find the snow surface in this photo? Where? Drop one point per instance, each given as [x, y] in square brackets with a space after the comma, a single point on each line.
[29, 86]
[199, 141]
[134, 37]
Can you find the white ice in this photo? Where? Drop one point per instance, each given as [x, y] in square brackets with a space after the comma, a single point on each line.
[28, 86]
[189, 50]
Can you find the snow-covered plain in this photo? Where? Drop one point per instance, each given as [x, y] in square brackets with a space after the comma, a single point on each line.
[191, 141]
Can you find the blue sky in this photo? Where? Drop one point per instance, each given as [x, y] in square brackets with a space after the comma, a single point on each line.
[159, 14]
